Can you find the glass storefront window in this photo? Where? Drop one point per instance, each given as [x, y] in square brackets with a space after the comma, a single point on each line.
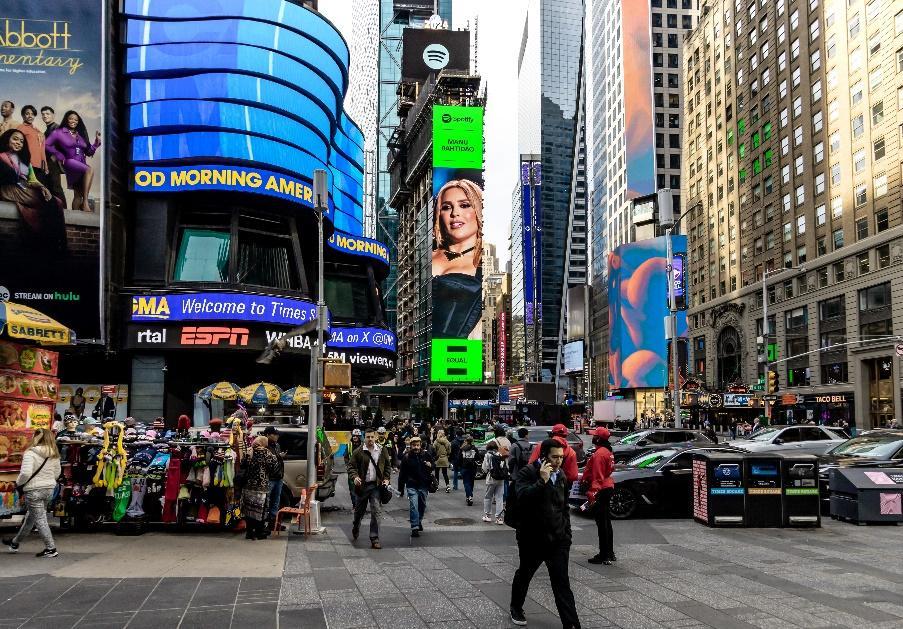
[349, 298]
[265, 260]
[203, 256]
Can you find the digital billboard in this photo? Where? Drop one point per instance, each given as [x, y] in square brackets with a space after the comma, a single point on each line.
[456, 261]
[637, 294]
[456, 360]
[573, 357]
[637, 77]
[52, 158]
[428, 50]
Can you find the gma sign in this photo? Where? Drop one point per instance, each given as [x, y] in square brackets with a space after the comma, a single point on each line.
[151, 307]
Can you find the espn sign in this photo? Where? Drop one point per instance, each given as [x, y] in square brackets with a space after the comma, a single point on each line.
[210, 336]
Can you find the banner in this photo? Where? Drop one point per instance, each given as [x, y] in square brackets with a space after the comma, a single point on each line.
[52, 58]
[457, 267]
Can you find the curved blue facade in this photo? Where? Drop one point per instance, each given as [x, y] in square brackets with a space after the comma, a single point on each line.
[241, 83]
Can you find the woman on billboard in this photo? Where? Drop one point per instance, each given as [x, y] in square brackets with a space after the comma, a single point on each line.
[40, 211]
[457, 259]
[69, 145]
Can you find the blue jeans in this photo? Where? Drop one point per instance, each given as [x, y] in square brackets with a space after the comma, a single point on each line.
[455, 476]
[274, 496]
[417, 498]
[468, 475]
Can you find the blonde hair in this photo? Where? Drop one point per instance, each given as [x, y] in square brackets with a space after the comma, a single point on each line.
[474, 196]
[44, 437]
[260, 442]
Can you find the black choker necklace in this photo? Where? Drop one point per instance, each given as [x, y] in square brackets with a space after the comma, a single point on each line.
[454, 255]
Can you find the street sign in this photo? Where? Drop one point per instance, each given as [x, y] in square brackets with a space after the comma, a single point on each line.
[770, 398]
[899, 349]
[757, 387]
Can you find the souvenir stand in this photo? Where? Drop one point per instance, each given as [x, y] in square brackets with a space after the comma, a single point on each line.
[28, 388]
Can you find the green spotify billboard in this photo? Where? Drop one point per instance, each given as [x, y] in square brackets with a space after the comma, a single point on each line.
[457, 251]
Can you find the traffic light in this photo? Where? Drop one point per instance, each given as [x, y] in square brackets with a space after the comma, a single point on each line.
[772, 385]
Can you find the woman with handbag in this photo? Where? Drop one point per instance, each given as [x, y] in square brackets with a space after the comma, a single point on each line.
[600, 487]
[37, 480]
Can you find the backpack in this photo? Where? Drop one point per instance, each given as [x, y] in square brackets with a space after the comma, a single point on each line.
[498, 467]
[469, 458]
[520, 455]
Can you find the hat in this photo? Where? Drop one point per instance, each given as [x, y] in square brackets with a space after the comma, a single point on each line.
[602, 432]
[381, 430]
[559, 430]
[356, 432]
[216, 421]
[270, 430]
[130, 421]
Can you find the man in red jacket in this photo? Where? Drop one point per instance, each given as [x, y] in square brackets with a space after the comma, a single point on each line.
[600, 486]
[569, 466]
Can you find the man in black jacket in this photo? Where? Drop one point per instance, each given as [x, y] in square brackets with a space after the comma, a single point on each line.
[544, 532]
[456, 444]
[416, 473]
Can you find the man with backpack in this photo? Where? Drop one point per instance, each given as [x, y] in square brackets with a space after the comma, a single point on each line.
[495, 464]
[468, 464]
[520, 452]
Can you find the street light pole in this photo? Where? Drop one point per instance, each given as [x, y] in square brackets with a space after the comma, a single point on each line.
[315, 406]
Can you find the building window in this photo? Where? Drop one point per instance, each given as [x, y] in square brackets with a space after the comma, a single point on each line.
[862, 228]
[788, 232]
[203, 256]
[876, 329]
[821, 247]
[796, 319]
[838, 271]
[880, 184]
[878, 148]
[831, 309]
[861, 195]
[838, 239]
[863, 261]
[821, 215]
[858, 125]
[883, 255]
[798, 376]
[822, 277]
[881, 221]
[859, 161]
[874, 297]
[834, 373]
[836, 207]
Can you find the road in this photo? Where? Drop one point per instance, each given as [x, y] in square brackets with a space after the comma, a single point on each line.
[670, 573]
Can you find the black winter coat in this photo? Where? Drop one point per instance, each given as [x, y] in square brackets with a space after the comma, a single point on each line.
[413, 471]
[543, 514]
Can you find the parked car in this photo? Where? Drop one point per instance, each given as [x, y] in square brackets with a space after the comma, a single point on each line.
[655, 483]
[876, 448]
[798, 439]
[536, 435]
[637, 443]
[293, 442]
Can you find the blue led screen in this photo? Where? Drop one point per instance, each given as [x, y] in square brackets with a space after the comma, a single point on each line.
[244, 84]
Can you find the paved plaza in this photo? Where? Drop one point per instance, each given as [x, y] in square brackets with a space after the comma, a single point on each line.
[670, 573]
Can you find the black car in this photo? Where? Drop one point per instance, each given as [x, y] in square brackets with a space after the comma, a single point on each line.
[875, 448]
[643, 441]
[657, 483]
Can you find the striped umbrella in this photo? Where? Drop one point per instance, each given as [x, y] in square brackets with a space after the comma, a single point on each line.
[297, 396]
[220, 391]
[260, 393]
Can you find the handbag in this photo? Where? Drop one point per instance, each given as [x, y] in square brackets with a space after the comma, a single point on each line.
[20, 488]
[434, 484]
[385, 494]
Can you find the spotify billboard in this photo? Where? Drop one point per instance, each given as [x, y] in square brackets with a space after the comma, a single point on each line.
[457, 250]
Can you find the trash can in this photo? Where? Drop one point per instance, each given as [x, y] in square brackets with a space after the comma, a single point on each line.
[867, 494]
[718, 494]
[801, 504]
[762, 477]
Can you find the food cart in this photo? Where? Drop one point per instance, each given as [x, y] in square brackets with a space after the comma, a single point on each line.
[28, 388]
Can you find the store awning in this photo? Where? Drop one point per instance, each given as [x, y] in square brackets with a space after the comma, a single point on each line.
[24, 322]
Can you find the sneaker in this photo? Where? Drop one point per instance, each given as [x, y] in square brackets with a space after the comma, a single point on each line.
[374, 543]
[420, 527]
[487, 518]
[517, 617]
[447, 489]
[11, 546]
[500, 520]
[470, 502]
[415, 533]
[47, 552]
[355, 531]
[597, 559]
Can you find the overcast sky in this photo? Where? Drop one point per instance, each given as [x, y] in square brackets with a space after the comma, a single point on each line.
[500, 27]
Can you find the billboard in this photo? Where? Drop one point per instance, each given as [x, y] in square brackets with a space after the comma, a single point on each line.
[637, 73]
[637, 293]
[456, 261]
[428, 50]
[52, 59]
[456, 360]
[531, 207]
[573, 357]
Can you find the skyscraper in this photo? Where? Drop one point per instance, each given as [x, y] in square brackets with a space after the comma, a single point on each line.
[394, 16]
[549, 68]
[793, 184]
[635, 140]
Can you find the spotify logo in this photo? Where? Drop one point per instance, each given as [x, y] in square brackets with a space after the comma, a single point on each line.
[436, 56]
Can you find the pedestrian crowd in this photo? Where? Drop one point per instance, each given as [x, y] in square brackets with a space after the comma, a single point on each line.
[527, 487]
